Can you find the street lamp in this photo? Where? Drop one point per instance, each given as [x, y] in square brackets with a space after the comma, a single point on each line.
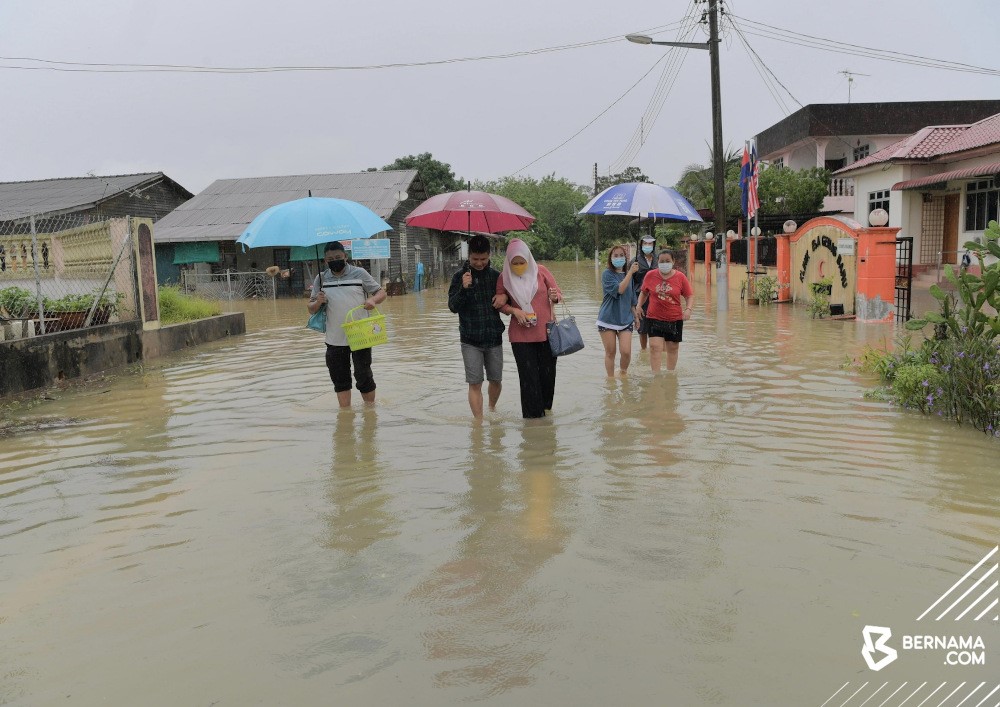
[719, 159]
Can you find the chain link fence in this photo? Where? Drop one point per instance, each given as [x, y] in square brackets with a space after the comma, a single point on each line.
[63, 272]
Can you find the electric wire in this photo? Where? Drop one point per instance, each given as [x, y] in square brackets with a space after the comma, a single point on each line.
[122, 68]
[787, 36]
[778, 81]
[755, 61]
[594, 119]
[668, 78]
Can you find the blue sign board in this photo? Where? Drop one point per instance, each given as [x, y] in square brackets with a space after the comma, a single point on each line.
[369, 248]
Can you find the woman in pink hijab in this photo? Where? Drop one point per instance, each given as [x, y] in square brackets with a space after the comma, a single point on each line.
[531, 291]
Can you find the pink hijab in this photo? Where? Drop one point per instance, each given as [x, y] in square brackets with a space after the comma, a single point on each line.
[521, 288]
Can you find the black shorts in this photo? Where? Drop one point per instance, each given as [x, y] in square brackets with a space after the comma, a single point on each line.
[339, 360]
[668, 331]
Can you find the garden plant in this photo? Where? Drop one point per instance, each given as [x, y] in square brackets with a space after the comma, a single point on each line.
[955, 371]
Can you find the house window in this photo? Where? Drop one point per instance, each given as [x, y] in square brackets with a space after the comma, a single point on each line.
[878, 200]
[981, 202]
[861, 152]
[778, 163]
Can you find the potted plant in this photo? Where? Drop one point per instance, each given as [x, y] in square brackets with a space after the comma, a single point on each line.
[73, 309]
[819, 298]
[765, 288]
[18, 303]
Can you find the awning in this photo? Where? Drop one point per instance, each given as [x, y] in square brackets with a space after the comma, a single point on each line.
[199, 252]
[306, 253]
[967, 173]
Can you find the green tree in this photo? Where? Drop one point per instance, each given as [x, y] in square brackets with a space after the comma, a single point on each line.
[436, 176]
[789, 191]
[697, 183]
[632, 174]
[557, 232]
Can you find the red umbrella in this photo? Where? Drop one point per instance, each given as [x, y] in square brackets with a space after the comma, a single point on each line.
[470, 211]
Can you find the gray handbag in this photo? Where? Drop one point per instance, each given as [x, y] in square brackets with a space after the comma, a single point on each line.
[563, 334]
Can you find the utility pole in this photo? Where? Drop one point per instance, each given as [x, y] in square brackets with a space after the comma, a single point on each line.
[719, 161]
[597, 237]
[719, 157]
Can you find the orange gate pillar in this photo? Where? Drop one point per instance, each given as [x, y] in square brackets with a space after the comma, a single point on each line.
[784, 268]
[708, 262]
[876, 293]
[691, 259]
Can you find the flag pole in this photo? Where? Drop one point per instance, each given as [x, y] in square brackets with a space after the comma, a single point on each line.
[756, 211]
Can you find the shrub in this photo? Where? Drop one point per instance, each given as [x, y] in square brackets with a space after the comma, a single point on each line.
[177, 306]
[819, 297]
[956, 372]
[18, 302]
[765, 287]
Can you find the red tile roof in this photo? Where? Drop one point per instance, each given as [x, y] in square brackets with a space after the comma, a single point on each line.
[929, 143]
[985, 132]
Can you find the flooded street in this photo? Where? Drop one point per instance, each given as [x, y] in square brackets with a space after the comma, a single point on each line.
[213, 531]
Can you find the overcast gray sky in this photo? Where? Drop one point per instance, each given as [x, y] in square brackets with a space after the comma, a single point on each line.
[486, 118]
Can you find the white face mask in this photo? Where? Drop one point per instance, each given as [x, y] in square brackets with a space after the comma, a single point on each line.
[647, 249]
[665, 268]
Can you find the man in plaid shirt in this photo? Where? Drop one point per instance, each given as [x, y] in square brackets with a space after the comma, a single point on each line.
[472, 296]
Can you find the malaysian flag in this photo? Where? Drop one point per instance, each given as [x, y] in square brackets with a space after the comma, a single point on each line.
[753, 199]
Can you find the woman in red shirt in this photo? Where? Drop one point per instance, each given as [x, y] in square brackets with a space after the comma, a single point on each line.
[530, 291]
[670, 300]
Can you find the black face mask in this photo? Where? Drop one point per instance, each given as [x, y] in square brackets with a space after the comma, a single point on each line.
[337, 265]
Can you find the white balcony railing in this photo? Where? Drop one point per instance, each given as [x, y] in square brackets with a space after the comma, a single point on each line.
[842, 186]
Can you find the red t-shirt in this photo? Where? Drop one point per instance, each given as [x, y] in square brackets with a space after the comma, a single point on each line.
[665, 294]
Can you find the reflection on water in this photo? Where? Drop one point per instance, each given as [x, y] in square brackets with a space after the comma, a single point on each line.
[488, 630]
[215, 530]
[359, 516]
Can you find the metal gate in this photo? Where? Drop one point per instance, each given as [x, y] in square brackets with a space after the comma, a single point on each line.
[904, 277]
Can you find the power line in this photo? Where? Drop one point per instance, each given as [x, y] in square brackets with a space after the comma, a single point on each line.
[668, 78]
[129, 68]
[787, 36]
[800, 104]
[757, 64]
[594, 119]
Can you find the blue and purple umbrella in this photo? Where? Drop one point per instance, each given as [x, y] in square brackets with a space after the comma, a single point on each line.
[644, 200]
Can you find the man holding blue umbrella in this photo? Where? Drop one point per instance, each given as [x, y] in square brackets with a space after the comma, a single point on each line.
[342, 287]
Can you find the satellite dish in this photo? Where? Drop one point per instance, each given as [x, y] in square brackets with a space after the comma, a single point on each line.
[402, 195]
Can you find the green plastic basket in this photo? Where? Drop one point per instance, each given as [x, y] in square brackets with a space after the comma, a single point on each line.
[365, 332]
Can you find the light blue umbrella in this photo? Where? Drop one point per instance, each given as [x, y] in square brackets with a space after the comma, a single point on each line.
[644, 200]
[312, 221]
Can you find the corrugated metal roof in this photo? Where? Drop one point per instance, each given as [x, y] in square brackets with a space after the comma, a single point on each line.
[980, 171]
[222, 211]
[47, 196]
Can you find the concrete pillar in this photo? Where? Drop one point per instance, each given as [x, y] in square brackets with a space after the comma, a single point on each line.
[691, 258]
[708, 261]
[821, 152]
[876, 291]
[149, 305]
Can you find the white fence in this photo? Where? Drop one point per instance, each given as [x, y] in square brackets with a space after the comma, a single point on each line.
[229, 285]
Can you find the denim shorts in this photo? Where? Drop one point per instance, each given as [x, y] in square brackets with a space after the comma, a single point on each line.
[477, 358]
[630, 327]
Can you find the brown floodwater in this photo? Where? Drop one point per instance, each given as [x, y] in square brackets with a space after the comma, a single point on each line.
[211, 530]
